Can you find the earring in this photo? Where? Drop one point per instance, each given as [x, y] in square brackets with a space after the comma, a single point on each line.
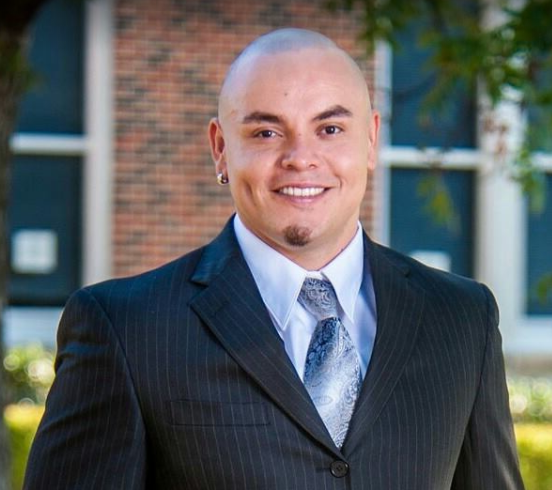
[222, 179]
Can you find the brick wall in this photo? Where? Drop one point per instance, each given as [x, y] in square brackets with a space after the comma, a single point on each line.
[170, 58]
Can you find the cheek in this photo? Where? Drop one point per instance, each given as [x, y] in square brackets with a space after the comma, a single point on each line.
[354, 169]
[351, 154]
[253, 167]
[363, 164]
[244, 159]
[354, 175]
[248, 183]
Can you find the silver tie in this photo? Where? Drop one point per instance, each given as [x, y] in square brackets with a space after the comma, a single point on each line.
[332, 370]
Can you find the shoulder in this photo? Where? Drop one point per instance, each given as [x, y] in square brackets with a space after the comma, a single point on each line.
[140, 289]
[164, 288]
[441, 287]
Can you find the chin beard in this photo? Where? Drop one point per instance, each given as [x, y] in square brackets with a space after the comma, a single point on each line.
[297, 236]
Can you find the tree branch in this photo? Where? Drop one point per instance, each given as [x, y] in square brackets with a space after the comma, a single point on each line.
[15, 16]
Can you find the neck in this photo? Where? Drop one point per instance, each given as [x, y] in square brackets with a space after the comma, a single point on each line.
[311, 257]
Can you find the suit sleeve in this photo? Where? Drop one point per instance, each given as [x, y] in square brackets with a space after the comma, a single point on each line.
[92, 434]
[488, 458]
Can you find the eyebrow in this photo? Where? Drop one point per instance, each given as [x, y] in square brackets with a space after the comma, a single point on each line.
[334, 111]
[267, 117]
[258, 116]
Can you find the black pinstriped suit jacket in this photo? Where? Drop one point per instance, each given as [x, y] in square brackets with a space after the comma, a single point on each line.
[177, 379]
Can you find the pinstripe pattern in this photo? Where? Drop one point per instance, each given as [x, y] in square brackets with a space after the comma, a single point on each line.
[176, 379]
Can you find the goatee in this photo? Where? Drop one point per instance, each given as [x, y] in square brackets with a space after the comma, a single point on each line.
[297, 236]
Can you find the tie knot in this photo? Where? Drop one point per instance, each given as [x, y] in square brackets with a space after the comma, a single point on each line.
[319, 298]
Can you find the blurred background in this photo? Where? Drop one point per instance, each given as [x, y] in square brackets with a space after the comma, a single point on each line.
[111, 175]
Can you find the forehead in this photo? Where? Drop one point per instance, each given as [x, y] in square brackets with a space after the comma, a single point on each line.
[294, 79]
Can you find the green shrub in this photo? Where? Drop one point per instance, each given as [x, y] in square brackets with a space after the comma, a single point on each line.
[22, 422]
[530, 399]
[535, 455]
[30, 373]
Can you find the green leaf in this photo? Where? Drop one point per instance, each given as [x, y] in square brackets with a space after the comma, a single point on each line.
[439, 205]
[543, 289]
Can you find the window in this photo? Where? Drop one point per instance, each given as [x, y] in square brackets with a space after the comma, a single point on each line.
[454, 126]
[45, 205]
[54, 104]
[414, 230]
[539, 254]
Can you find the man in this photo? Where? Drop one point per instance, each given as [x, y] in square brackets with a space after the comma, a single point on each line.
[219, 371]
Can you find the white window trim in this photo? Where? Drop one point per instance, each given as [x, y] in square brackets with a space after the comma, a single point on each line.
[544, 161]
[382, 103]
[411, 157]
[48, 144]
[99, 114]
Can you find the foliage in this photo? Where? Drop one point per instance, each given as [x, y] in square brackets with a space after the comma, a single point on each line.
[511, 59]
[530, 399]
[509, 55]
[22, 422]
[530, 178]
[534, 444]
[438, 201]
[30, 373]
[543, 288]
[503, 47]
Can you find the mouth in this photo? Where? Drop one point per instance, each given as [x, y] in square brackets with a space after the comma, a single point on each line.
[301, 191]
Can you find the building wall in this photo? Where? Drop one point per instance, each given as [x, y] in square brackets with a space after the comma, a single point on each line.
[169, 61]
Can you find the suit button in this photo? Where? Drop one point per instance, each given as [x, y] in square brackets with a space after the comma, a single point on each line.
[339, 469]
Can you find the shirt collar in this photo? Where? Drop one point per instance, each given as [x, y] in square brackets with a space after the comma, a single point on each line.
[345, 272]
[279, 279]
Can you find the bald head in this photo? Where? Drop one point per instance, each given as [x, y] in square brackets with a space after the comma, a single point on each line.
[280, 41]
[295, 139]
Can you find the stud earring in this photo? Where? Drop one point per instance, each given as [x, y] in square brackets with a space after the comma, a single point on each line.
[222, 179]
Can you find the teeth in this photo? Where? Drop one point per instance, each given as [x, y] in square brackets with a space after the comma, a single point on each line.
[302, 191]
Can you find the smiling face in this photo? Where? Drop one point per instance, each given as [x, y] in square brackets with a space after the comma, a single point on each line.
[296, 138]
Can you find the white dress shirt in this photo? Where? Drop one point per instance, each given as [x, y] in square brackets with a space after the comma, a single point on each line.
[280, 280]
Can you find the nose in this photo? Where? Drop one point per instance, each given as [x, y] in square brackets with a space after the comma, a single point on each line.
[299, 155]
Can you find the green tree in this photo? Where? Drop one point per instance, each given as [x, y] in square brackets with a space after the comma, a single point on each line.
[508, 51]
[503, 47]
[15, 78]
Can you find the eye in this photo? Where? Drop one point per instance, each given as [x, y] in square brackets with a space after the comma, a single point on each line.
[265, 133]
[331, 129]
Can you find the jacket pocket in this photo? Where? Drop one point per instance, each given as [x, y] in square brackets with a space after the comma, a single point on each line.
[211, 413]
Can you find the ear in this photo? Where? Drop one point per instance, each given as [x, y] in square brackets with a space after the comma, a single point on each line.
[217, 144]
[373, 136]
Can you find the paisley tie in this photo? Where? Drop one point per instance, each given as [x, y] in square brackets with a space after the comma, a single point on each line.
[332, 370]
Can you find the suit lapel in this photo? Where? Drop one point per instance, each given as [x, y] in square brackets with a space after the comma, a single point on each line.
[399, 306]
[231, 306]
